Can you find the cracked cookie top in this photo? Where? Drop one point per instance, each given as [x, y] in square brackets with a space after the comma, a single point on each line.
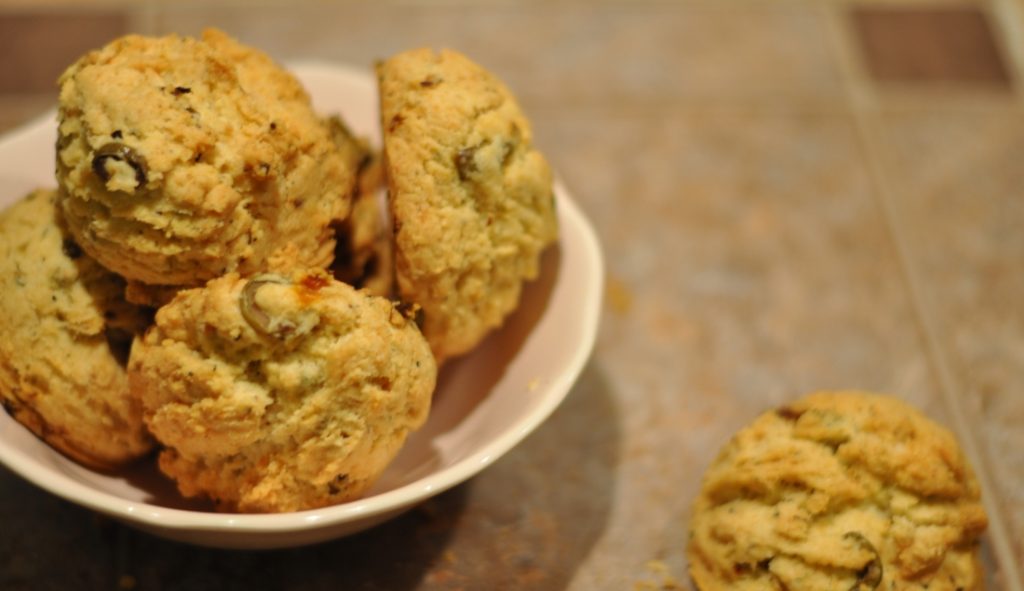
[181, 159]
[471, 198]
[280, 392]
[839, 490]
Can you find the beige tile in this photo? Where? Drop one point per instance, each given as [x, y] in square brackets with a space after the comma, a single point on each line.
[756, 267]
[957, 177]
[569, 54]
[760, 222]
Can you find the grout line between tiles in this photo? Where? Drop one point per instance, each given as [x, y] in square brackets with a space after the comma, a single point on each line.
[939, 359]
[147, 18]
[862, 108]
[1008, 20]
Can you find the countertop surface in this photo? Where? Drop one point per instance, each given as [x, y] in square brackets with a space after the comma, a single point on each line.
[791, 196]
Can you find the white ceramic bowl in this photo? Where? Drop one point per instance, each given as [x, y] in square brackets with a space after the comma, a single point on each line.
[485, 403]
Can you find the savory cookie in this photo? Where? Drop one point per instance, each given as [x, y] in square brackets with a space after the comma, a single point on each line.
[839, 490]
[363, 255]
[66, 334]
[471, 199]
[280, 393]
[182, 159]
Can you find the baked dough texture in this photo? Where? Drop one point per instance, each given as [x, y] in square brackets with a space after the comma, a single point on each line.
[839, 491]
[471, 199]
[182, 159]
[280, 393]
[66, 333]
[363, 255]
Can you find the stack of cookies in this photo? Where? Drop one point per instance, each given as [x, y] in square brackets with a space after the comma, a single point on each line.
[214, 275]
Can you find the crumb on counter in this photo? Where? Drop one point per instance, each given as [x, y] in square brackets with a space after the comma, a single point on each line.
[658, 578]
[620, 298]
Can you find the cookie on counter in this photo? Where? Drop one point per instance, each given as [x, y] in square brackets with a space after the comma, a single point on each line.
[471, 198]
[363, 256]
[280, 393]
[182, 159]
[839, 490]
[66, 334]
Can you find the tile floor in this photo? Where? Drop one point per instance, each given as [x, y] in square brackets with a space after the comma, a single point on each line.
[791, 195]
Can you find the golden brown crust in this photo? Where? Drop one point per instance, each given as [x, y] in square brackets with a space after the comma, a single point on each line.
[150, 296]
[280, 393]
[182, 159]
[66, 332]
[363, 257]
[471, 199]
[839, 490]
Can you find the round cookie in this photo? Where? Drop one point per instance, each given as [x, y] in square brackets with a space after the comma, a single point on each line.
[182, 159]
[839, 490]
[471, 199]
[363, 257]
[66, 333]
[280, 393]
